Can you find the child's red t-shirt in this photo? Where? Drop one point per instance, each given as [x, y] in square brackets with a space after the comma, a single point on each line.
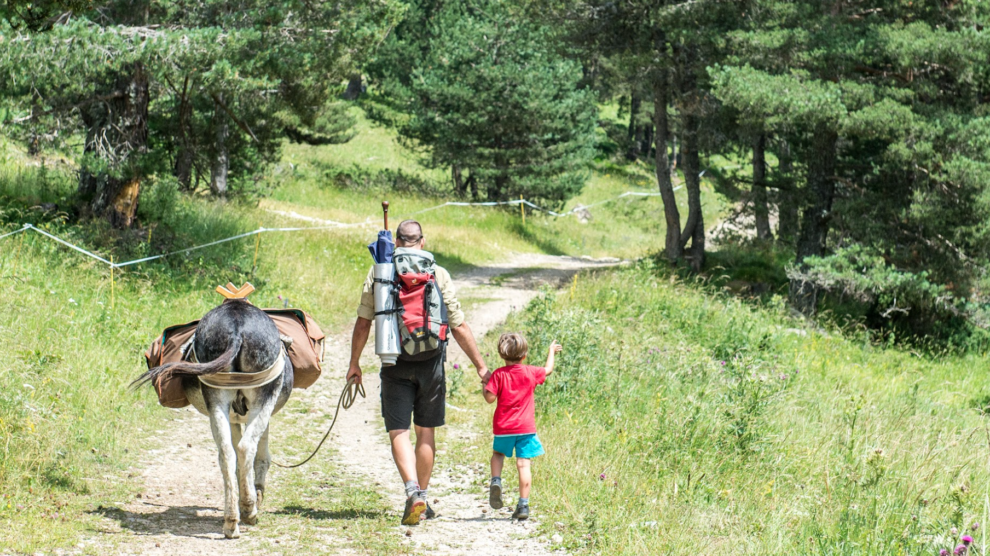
[514, 386]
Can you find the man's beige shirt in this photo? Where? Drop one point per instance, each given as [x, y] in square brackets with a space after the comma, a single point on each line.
[455, 316]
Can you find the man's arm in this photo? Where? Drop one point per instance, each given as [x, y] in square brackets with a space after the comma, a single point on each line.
[465, 339]
[362, 329]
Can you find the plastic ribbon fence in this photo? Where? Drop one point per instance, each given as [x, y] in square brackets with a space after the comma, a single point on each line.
[330, 226]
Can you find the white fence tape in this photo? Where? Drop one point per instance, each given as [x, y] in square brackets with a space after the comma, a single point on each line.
[329, 226]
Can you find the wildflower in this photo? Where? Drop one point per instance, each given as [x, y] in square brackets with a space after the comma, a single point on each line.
[961, 549]
[967, 540]
[783, 377]
[601, 477]
[722, 362]
[943, 552]
[975, 525]
[954, 531]
[280, 298]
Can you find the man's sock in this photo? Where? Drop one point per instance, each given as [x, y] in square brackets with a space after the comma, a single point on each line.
[424, 493]
[497, 481]
[523, 501]
[411, 488]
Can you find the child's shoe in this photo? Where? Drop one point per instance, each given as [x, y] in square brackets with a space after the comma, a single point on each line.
[522, 512]
[495, 493]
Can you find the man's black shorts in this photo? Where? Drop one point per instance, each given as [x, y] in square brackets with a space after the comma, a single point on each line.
[414, 387]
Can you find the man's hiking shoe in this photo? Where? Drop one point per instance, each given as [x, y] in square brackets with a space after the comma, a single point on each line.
[521, 513]
[429, 514]
[415, 507]
[495, 495]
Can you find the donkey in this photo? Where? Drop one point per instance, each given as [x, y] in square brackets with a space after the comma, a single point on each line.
[235, 337]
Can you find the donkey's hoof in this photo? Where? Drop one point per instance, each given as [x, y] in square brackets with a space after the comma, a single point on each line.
[230, 529]
[249, 519]
[261, 494]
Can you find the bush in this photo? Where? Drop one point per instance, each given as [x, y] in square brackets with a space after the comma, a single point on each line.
[387, 180]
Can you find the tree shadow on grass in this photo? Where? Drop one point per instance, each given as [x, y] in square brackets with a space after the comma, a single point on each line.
[183, 521]
[327, 515]
[527, 234]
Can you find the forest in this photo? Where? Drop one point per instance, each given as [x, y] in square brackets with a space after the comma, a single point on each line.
[856, 127]
[786, 358]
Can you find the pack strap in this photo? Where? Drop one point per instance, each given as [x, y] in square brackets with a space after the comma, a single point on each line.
[388, 312]
[237, 381]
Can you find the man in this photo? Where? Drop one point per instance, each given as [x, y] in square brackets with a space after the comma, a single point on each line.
[414, 386]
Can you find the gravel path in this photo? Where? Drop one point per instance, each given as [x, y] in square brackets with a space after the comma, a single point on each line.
[179, 509]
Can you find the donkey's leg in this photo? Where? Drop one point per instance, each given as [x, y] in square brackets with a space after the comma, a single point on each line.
[257, 423]
[219, 407]
[262, 461]
[235, 440]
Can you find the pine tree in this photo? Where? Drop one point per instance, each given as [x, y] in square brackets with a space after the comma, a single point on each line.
[211, 87]
[492, 99]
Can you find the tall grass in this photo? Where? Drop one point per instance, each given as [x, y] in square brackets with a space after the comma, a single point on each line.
[69, 429]
[683, 422]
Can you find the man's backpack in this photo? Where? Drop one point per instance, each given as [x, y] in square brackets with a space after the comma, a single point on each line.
[422, 312]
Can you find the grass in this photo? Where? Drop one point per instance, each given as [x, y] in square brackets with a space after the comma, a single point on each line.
[683, 420]
[629, 227]
[69, 428]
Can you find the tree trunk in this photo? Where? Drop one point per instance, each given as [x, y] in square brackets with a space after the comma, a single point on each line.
[221, 162]
[672, 217]
[635, 133]
[815, 221]
[496, 190]
[787, 197]
[472, 184]
[459, 185]
[759, 192]
[689, 105]
[184, 157]
[117, 131]
[354, 87]
[647, 147]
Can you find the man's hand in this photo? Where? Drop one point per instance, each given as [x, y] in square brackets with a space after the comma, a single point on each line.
[484, 374]
[354, 371]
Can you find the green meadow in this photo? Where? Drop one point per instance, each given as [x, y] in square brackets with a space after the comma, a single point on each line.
[682, 419]
[69, 427]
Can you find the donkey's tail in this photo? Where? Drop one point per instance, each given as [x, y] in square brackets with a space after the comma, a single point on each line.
[187, 368]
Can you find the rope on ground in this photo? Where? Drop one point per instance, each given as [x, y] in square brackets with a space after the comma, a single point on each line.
[329, 225]
[347, 398]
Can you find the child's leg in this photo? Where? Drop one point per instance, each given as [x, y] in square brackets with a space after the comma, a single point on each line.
[525, 477]
[498, 460]
[495, 490]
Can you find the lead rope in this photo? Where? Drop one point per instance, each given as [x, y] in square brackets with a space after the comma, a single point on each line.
[347, 398]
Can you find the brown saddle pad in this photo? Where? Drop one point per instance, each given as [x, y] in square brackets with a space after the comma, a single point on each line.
[306, 352]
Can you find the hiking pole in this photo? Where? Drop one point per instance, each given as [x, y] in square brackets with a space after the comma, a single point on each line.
[385, 209]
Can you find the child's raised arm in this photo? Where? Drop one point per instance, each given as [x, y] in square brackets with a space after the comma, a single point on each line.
[554, 349]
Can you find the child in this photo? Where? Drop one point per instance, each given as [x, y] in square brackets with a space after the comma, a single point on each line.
[514, 422]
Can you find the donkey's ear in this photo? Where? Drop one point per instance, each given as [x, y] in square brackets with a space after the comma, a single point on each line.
[286, 340]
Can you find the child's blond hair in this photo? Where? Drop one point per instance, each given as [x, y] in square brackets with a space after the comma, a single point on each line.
[512, 346]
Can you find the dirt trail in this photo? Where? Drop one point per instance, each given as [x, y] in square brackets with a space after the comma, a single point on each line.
[179, 511]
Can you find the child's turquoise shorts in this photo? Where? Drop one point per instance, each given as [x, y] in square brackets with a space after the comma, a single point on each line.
[526, 446]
